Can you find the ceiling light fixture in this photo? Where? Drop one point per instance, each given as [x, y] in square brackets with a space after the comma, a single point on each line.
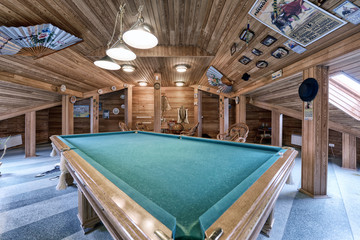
[181, 68]
[107, 63]
[119, 51]
[128, 68]
[142, 83]
[140, 34]
[179, 83]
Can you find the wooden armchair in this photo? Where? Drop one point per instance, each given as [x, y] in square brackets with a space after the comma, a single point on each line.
[123, 127]
[191, 131]
[141, 127]
[237, 132]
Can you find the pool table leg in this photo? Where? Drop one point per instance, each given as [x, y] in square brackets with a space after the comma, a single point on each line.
[86, 214]
[268, 224]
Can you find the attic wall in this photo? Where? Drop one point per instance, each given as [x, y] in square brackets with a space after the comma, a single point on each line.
[210, 114]
[255, 117]
[291, 126]
[82, 124]
[109, 102]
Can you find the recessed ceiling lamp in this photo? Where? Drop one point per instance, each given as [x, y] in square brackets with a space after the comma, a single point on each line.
[128, 68]
[179, 83]
[140, 34]
[107, 63]
[181, 68]
[142, 83]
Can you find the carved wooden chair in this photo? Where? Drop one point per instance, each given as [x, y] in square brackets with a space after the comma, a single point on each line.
[123, 127]
[237, 132]
[191, 131]
[141, 127]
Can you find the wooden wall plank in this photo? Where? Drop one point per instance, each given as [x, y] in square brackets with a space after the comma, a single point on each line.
[348, 151]
[94, 114]
[276, 128]
[129, 107]
[67, 115]
[157, 110]
[30, 134]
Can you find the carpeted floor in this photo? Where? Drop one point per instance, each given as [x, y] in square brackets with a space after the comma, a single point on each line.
[31, 208]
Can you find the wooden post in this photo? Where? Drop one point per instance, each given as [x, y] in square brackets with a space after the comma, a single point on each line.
[276, 128]
[241, 110]
[348, 151]
[30, 134]
[157, 103]
[226, 114]
[221, 114]
[128, 107]
[67, 115]
[315, 137]
[198, 110]
[94, 114]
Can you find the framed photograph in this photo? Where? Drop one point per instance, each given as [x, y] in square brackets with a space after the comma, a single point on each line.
[348, 11]
[256, 52]
[106, 114]
[81, 111]
[244, 60]
[246, 35]
[280, 52]
[268, 40]
[233, 49]
[262, 64]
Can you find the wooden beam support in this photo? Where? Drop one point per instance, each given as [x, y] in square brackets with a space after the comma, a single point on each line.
[315, 137]
[221, 114]
[30, 134]
[298, 115]
[67, 115]
[94, 114]
[211, 90]
[348, 151]
[13, 78]
[276, 128]
[105, 90]
[161, 51]
[157, 104]
[198, 110]
[20, 111]
[346, 46]
[129, 107]
[226, 114]
[240, 110]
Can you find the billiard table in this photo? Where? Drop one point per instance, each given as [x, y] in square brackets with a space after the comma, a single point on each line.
[145, 185]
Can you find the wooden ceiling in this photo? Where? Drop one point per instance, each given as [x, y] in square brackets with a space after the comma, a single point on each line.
[198, 33]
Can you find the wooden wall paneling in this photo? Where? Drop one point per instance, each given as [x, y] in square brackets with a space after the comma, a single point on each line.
[221, 114]
[314, 152]
[94, 114]
[129, 107]
[42, 126]
[30, 134]
[198, 110]
[143, 106]
[255, 118]
[157, 110]
[210, 113]
[232, 112]
[67, 115]
[108, 102]
[241, 110]
[276, 128]
[335, 138]
[291, 126]
[348, 151]
[82, 124]
[55, 121]
[226, 114]
[358, 149]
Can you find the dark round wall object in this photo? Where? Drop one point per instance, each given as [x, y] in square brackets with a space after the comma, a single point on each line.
[245, 77]
[308, 89]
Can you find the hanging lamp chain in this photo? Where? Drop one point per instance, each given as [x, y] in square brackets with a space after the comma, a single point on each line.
[119, 15]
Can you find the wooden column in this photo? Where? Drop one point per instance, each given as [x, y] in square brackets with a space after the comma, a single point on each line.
[67, 115]
[30, 134]
[241, 110]
[198, 110]
[94, 113]
[226, 114]
[315, 138]
[276, 128]
[128, 107]
[221, 114]
[348, 151]
[157, 104]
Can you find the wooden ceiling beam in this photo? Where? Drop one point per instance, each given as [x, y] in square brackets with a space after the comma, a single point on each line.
[20, 111]
[105, 90]
[161, 51]
[17, 79]
[346, 46]
[298, 115]
[211, 90]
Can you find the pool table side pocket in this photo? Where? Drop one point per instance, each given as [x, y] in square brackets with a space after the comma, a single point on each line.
[122, 216]
[247, 216]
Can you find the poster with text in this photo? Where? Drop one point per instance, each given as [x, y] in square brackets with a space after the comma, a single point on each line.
[299, 20]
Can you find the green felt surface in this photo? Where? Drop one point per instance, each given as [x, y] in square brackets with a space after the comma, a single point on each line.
[184, 178]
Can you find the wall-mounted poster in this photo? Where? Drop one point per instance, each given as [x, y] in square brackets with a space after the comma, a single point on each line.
[81, 111]
[299, 20]
[106, 114]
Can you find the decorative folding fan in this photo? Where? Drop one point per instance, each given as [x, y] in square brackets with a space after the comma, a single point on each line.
[36, 41]
[216, 79]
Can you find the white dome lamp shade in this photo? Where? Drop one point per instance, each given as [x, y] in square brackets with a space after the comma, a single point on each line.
[128, 68]
[140, 36]
[107, 63]
[120, 51]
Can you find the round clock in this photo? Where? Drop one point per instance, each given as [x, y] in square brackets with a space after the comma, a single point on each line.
[157, 86]
[100, 91]
[63, 88]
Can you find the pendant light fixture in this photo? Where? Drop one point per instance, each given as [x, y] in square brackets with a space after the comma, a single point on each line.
[107, 63]
[140, 34]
